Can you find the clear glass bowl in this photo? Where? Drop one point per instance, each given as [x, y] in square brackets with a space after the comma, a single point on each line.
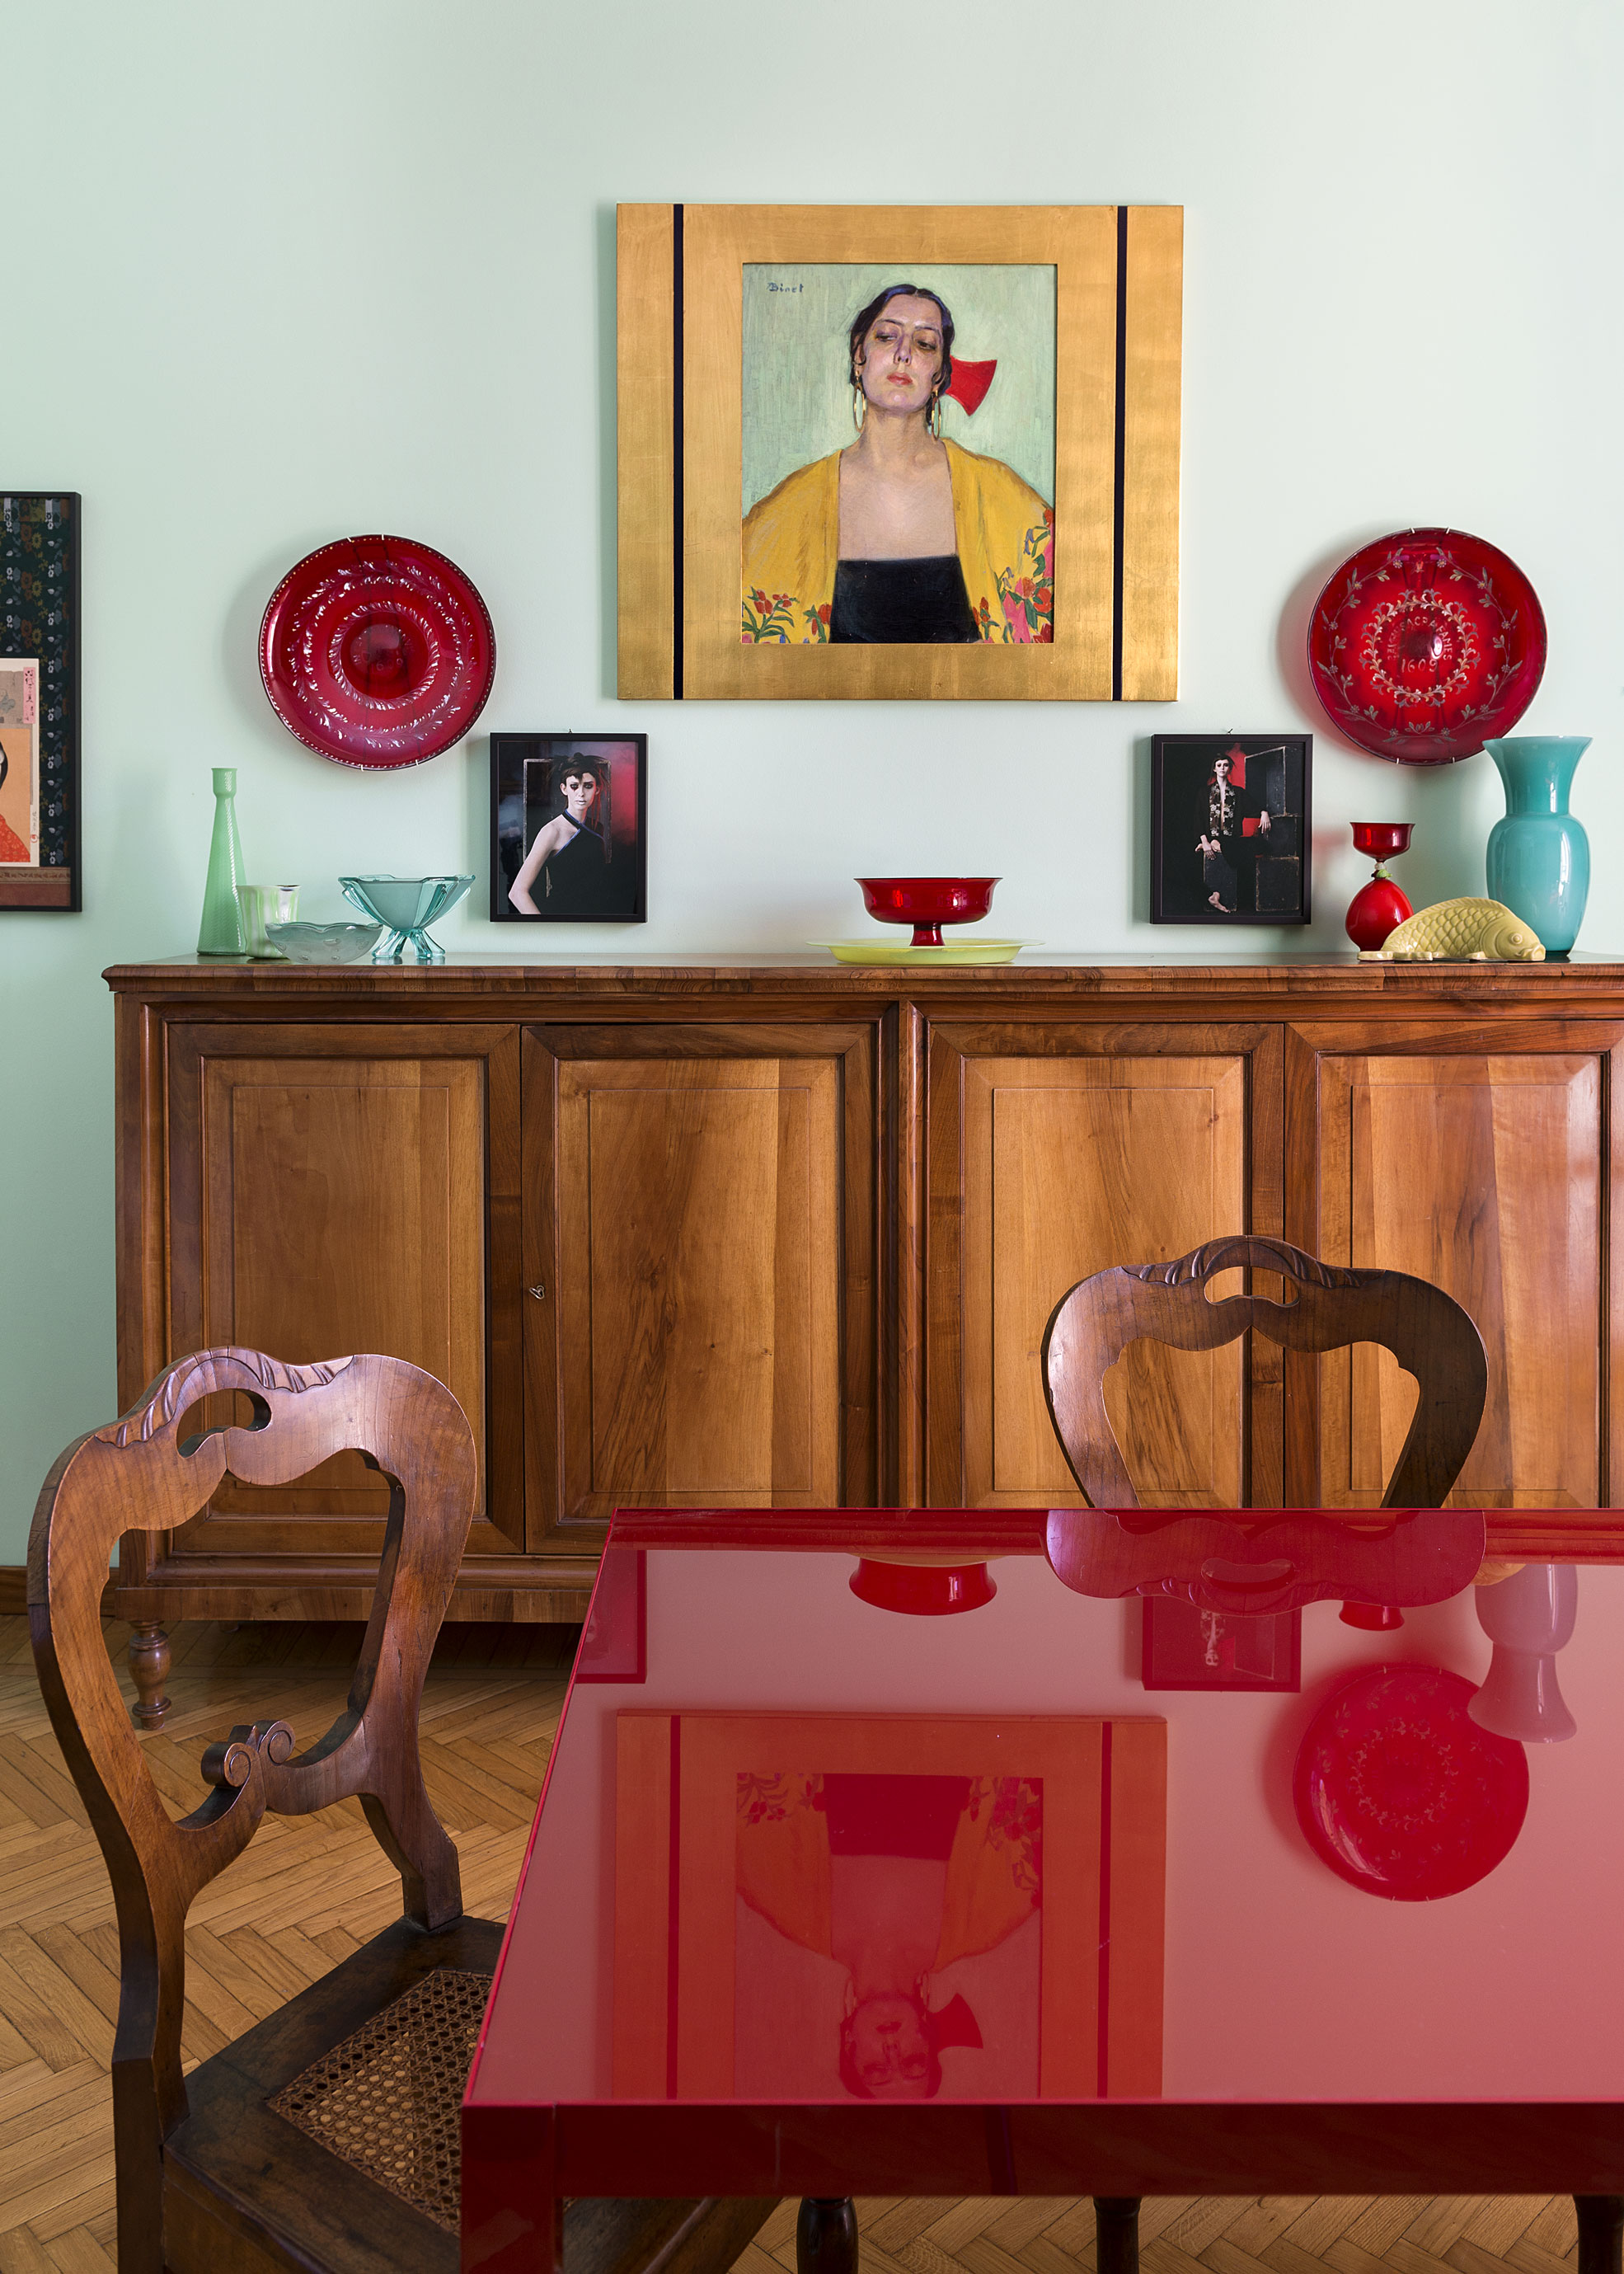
[322, 943]
[406, 906]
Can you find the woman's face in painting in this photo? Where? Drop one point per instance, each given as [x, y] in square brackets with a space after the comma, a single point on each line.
[889, 2050]
[579, 791]
[900, 356]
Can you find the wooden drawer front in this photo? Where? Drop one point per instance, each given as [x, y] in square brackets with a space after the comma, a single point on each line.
[696, 1354]
[1070, 1164]
[325, 1205]
[1483, 1174]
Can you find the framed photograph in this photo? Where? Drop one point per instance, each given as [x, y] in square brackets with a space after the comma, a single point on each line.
[568, 828]
[1187, 1648]
[39, 700]
[1230, 819]
[1013, 1869]
[776, 366]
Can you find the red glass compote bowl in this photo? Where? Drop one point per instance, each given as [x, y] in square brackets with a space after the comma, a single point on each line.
[927, 902]
[1379, 907]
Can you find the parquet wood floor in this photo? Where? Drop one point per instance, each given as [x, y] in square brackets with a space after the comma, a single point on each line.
[306, 1893]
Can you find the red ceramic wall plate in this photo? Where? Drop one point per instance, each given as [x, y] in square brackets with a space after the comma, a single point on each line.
[1401, 1793]
[377, 651]
[1425, 643]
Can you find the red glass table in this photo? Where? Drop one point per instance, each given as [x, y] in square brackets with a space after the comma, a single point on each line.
[865, 1864]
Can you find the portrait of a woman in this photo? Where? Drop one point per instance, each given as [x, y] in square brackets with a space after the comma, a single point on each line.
[903, 537]
[567, 863]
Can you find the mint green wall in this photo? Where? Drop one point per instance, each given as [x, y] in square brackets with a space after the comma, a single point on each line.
[276, 274]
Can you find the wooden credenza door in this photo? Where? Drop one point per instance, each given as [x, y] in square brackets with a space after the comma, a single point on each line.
[1481, 1156]
[701, 1312]
[334, 1190]
[1053, 1151]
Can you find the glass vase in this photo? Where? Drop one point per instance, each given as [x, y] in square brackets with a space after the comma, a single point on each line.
[1538, 856]
[223, 931]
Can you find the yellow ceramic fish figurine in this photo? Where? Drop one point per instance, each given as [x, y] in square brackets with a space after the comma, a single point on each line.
[1462, 931]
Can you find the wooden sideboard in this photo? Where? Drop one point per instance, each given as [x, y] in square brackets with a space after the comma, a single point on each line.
[788, 1234]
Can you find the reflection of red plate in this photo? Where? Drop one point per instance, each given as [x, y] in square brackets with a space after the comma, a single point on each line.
[1400, 1793]
[377, 651]
[1425, 643]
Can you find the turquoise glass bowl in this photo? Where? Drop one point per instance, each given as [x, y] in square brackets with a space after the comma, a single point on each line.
[1539, 860]
[406, 906]
[318, 943]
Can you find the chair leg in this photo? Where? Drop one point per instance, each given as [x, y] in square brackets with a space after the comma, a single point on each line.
[826, 2235]
[149, 1663]
[1117, 2232]
[1601, 2233]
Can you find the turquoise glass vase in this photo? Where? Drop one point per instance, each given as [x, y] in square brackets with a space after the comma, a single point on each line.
[223, 931]
[1539, 856]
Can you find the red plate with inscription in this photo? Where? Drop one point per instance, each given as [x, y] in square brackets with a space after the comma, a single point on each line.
[1401, 1793]
[377, 651]
[1425, 644]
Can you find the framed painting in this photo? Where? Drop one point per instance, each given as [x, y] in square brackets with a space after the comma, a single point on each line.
[898, 451]
[1230, 829]
[835, 1907]
[39, 700]
[569, 828]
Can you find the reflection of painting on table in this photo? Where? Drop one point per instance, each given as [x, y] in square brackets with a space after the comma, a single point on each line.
[1229, 828]
[20, 762]
[897, 454]
[887, 1908]
[566, 827]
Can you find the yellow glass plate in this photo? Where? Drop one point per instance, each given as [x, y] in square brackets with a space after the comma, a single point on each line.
[952, 950]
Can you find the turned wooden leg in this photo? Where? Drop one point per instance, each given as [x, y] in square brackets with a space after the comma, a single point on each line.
[1116, 2232]
[1601, 2233]
[826, 2235]
[149, 1663]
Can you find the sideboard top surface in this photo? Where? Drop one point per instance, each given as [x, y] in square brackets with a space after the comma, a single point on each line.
[518, 986]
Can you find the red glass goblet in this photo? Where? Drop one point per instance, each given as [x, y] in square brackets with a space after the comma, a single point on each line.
[1379, 907]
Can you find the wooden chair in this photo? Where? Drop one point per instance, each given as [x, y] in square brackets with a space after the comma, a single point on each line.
[327, 2136]
[1327, 1308]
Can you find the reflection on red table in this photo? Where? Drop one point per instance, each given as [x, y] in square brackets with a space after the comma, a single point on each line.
[826, 1897]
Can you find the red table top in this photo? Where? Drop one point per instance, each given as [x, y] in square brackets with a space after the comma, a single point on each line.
[829, 1895]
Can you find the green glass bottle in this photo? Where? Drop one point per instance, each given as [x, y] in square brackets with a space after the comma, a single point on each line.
[221, 931]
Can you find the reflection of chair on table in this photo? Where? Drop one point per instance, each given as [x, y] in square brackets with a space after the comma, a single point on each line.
[1326, 1307]
[327, 2136]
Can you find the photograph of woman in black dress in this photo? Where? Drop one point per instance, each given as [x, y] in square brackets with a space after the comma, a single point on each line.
[566, 817]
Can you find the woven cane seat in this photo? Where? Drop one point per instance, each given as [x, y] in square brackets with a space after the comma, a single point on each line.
[387, 2097]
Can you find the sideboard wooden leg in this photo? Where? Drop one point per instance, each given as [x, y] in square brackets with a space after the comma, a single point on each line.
[826, 2235]
[149, 1663]
[1117, 2232]
[1601, 2233]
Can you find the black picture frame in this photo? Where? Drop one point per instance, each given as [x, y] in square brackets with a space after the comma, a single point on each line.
[1254, 874]
[526, 778]
[39, 618]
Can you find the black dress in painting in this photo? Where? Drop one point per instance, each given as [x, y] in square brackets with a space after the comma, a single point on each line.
[902, 603]
[576, 879]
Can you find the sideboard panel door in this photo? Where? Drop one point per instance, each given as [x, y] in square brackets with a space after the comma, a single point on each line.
[1480, 1171]
[325, 1204]
[1047, 1163]
[704, 1212]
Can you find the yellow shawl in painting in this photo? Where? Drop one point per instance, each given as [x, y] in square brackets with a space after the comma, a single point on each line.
[1005, 542]
[994, 1870]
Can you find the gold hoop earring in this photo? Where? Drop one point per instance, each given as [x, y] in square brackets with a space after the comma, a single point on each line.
[935, 419]
[859, 405]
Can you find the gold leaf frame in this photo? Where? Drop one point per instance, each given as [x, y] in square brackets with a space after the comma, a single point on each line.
[1119, 322]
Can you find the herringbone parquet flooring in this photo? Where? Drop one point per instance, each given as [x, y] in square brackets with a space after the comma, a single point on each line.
[308, 1892]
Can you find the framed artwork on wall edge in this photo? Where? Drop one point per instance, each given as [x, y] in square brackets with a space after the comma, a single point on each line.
[740, 382]
[1231, 820]
[569, 828]
[40, 865]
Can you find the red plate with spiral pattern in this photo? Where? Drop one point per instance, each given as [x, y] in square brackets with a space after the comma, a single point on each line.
[1400, 1792]
[377, 651]
[1425, 643]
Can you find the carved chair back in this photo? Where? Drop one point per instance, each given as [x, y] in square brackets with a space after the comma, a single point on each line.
[140, 1475]
[1327, 1307]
